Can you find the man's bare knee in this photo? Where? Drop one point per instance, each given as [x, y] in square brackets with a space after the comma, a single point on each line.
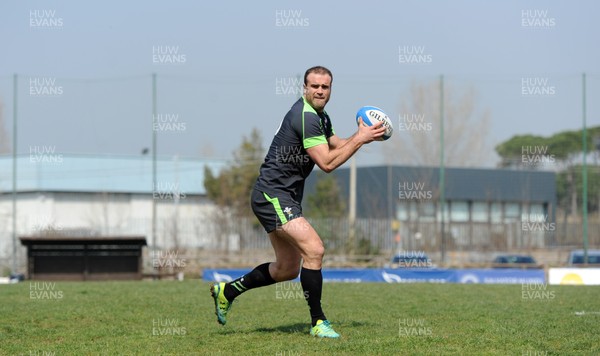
[317, 252]
[314, 256]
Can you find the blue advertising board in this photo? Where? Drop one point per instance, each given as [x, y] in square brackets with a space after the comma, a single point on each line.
[500, 276]
[407, 275]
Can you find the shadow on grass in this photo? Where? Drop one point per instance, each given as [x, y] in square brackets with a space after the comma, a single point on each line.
[354, 324]
[305, 327]
[289, 329]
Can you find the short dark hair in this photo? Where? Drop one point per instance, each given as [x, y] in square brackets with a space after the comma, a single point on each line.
[317, 70]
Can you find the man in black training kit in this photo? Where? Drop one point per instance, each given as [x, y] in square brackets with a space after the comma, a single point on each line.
[305, 137]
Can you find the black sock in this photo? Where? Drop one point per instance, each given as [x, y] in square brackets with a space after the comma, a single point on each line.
[258, 277]
[312, 285]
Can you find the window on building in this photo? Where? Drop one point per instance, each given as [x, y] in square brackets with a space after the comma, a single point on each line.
[459, 211]
[402, 211]
[479, 212]
[446, 212]
[428, 212]
[512, 212]
[496, 213]
[537, 213]
[413, 214]
[407, 211]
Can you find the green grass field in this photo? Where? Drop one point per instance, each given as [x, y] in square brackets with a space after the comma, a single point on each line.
[177, 318]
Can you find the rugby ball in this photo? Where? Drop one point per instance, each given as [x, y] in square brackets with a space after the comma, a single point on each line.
[372, 115]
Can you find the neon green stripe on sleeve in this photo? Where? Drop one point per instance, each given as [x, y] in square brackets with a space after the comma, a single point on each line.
[314, 141]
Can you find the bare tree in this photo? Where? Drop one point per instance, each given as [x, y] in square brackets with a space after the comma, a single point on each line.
[206, 150]
[4, 141]
[221, 224]
[417, 136]
[172, 230]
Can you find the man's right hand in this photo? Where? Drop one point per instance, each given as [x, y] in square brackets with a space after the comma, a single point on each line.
[367, 134]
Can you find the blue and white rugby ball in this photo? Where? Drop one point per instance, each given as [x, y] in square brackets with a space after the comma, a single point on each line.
[372, 115]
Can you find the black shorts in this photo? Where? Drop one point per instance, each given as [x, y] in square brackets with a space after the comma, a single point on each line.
[274, 211]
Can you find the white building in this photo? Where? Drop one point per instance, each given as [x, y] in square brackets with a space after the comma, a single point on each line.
[107, 195]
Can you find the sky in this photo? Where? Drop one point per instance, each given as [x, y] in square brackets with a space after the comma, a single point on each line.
[85, 69]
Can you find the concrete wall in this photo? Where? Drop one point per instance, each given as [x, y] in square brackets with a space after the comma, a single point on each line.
[185, 223]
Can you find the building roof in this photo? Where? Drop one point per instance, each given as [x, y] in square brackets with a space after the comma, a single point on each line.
[116, 174]
[378, 187]
[65, 240]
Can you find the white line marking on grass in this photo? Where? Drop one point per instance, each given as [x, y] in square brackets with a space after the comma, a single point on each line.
[586, 313]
